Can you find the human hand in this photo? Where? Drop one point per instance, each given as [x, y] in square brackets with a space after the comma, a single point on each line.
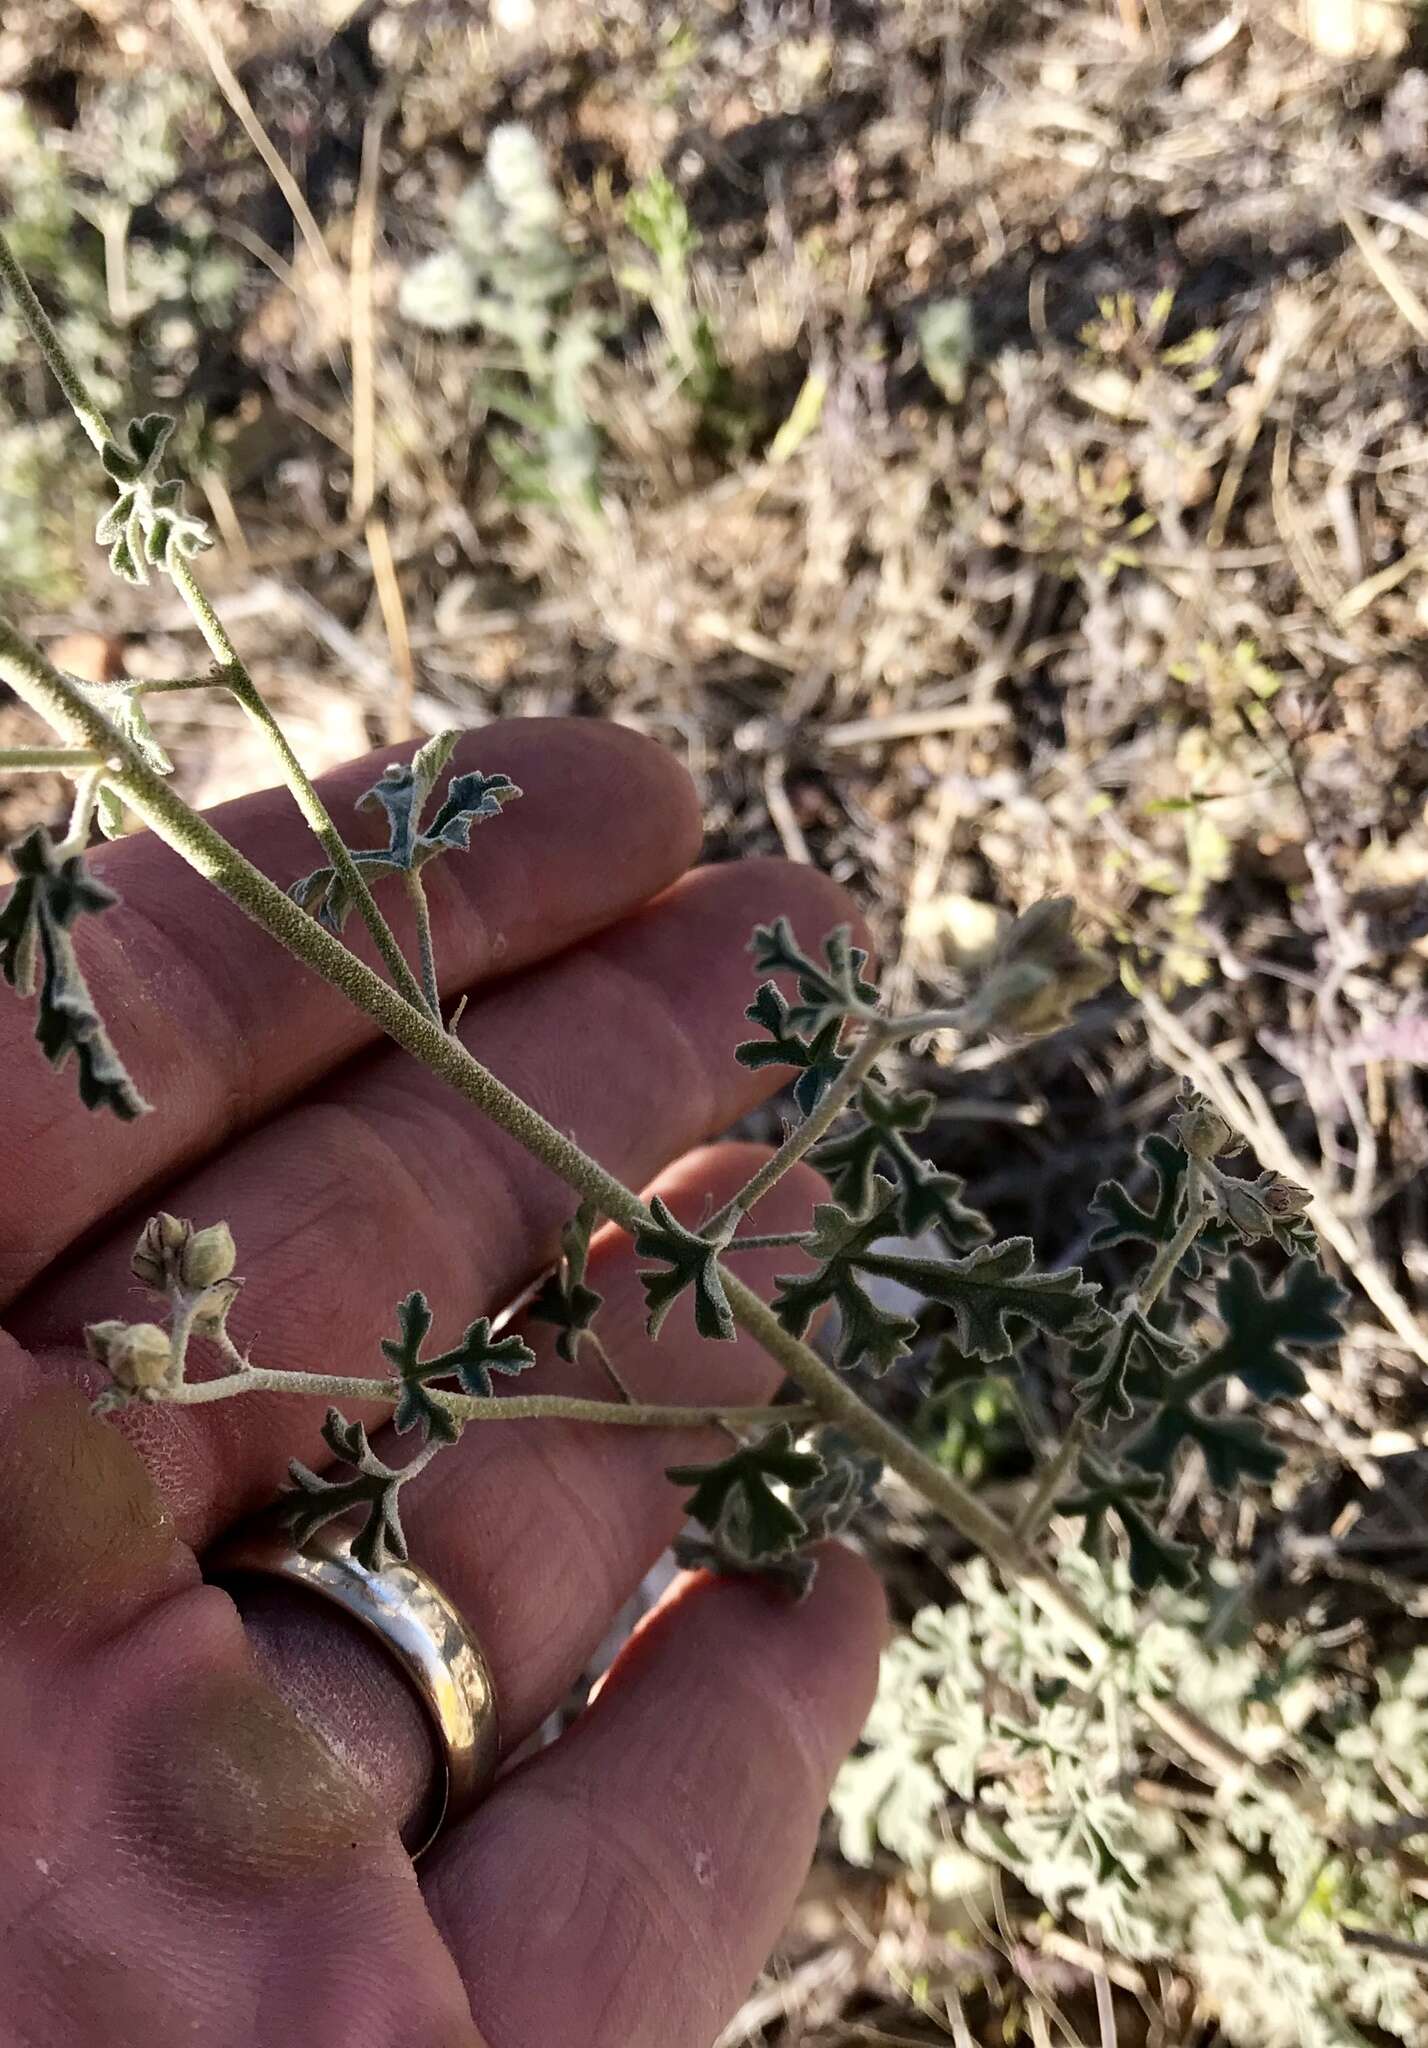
[181, 1857]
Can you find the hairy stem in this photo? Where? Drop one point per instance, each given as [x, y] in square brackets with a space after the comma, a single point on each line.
[52, 348]
[835, 1098]
[236, 679]
[416, 896]
[236, 676]
[69, 760]
[258, 1379]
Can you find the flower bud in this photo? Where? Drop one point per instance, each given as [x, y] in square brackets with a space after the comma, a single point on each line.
[1249, 1214]
[1284, 1197]
[207, 1258]
[136, 1356]
[211, 1314]
[161, 1241]
[1041, 972]
[1203, 1132]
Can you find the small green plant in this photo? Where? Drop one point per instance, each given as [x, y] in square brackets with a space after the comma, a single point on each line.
[1160, 1369]
[655, 213]
[508, 273]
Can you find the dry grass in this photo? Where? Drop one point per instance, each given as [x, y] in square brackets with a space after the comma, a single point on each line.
[1142, 616]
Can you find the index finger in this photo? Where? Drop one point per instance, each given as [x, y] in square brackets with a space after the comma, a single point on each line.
[219, 1025]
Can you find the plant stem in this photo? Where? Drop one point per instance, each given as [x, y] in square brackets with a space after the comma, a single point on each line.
[835, 1098]
[770, 1242]
[257, 1379]
[240, 684]
[416, 896]
[69, 760]
[236, 676]
[52, 348]
[60, 701]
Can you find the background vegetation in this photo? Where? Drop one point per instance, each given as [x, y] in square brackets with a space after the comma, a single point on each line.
[988, 444]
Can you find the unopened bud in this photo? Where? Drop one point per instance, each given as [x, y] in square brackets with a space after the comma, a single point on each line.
[211, 1314]
[1245, 1209]
[207, 1258]
[1284, 1197]
[136, 1356]
[161, 1241]
[1204, 1133]
[1041, 973]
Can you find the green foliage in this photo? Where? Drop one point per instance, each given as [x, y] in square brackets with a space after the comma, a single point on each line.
[565, 1299]
[692, 1262]
[989, 1735]
[926, 1199]
[146, 526]
[374, 1488]
[52, 891]
[470, 1363]
[402, 793]
[829, 990]
[817, 1058]
[869, 1334]
[1126, 1221]
[739, 1491]
[507, 272]
[746, 1538]
[657, 216]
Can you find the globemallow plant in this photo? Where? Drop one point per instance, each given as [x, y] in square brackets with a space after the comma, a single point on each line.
[1071, 1658]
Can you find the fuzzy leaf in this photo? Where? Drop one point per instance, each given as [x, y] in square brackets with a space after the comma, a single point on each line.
[36, 951]
[402, 791]
[692, 1261]
[828, 991]
[1302, 1308]
[1129, 1497]
[768, 1526]
[993, 1288]
[1136, 1358]
[1237, 1450]
[870, 1335]
[825, 1508]
[926, 1198]
[565, 1299]
[146, 524]
[315, 1501]
[1125, 1221]
[818, 1058]
[470, 1363]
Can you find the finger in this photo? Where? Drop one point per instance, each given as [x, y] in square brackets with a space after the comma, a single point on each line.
[220, 1026]
[624, 1888]
[383, 1180]
[537, 1532]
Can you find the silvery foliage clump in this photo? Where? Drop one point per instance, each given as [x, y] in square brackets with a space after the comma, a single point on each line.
[508, 273]
[986, 1736]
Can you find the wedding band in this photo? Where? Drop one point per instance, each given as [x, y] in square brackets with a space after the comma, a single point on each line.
[417, 1624]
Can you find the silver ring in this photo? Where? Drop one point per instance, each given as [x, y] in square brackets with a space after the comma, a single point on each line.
[413, 1619]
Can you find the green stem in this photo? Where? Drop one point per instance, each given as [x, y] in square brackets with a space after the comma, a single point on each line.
[835, 1098]
[220, 646]
[416, 896]
[767, 1243]
[52, 348]
[257, 1379]
[69, 760]
[240, 684]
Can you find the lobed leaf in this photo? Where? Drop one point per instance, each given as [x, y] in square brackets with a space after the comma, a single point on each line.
[818, 1058]
[870, 1334]
[691, 1261]
[993, 1288]
[565, 1299]
[52, 891]
[470, 1363]
[926, 1198]
[314, 1501]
